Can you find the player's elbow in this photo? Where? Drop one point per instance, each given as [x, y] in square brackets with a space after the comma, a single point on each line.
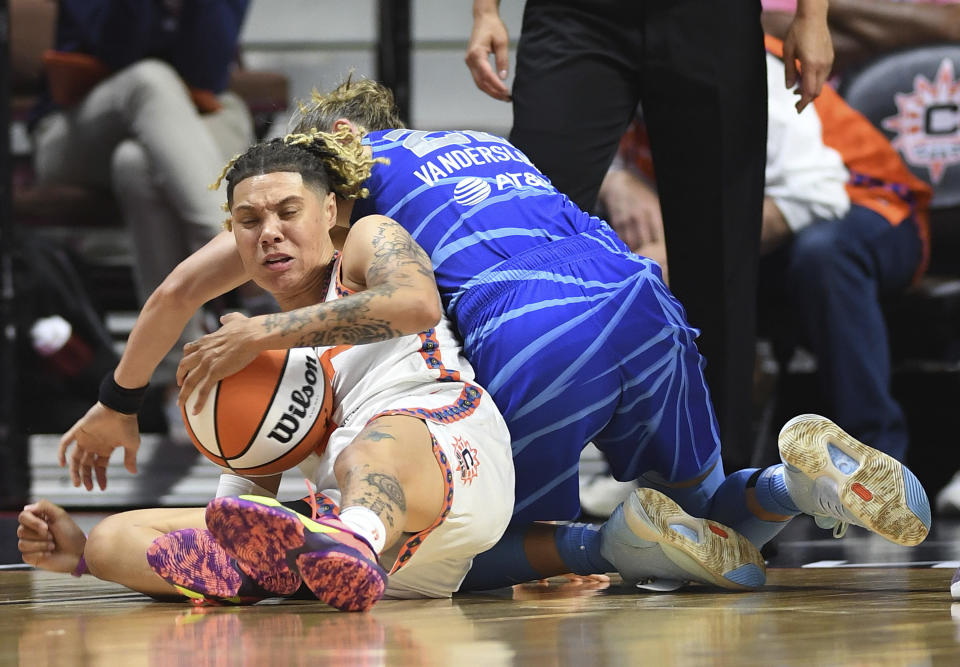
[426, 311]
[178, 292]
[420, 311]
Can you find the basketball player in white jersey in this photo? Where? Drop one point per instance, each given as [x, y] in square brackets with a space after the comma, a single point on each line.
[420, 459]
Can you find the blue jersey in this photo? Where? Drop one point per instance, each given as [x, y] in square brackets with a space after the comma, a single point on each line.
[457, 195]
[576, 338]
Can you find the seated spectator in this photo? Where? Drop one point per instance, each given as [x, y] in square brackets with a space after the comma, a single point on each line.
[844, 222]
[137, 102]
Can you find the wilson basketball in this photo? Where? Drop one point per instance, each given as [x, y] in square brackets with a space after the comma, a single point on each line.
[268, 417]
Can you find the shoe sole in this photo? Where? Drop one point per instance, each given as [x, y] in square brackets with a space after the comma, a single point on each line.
[719, 556]
[197, 567]
[881, 493]
[259, 532]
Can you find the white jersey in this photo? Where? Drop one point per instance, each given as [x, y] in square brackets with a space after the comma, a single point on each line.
[424, 376]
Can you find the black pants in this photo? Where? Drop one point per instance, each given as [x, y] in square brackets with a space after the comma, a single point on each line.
[698, 69]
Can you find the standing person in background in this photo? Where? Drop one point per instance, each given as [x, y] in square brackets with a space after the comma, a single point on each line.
[698, 69]
[137, 103]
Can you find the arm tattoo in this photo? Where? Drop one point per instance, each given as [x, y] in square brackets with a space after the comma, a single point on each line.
[288, 322]
[377, 436]
[396, 260]
[350, 321]
[395, 255]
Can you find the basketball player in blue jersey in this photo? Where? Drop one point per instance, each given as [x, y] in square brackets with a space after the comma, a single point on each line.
[579, 340]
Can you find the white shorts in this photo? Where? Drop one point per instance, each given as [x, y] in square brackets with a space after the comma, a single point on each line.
[473, 449]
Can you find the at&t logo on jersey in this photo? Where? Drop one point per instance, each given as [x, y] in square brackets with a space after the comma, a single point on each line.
[467, 462]
[470, 191]
[928, 122]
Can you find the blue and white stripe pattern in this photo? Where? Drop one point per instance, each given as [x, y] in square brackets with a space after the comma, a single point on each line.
[576, 338]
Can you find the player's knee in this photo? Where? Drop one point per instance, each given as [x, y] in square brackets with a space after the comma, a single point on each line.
[102, 543]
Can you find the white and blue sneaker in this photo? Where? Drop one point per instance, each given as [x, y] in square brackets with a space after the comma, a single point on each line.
[839, 480]
[653, 543]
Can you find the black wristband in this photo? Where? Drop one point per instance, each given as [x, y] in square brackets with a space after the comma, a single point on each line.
[121, 399]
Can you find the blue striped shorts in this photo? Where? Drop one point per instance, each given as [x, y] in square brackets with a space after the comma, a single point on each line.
[579, 340]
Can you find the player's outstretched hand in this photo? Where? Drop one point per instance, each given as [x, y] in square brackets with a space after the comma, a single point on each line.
[48, 538]
[208, 360]
[489, 35]
[96, 435]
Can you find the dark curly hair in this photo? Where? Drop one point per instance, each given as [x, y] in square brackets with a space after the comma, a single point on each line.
[326, 162]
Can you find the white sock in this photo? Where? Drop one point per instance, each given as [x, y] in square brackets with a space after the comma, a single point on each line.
[365, 523]
[234, 485]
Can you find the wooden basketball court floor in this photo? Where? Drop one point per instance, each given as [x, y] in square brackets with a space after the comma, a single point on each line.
[855, 601]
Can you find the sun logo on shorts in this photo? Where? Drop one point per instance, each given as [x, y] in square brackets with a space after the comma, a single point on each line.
[467, 461]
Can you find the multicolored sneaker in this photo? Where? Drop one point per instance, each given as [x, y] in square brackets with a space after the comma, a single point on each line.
[653, 542]
[839, 480]
[273, 542]
[204, 572]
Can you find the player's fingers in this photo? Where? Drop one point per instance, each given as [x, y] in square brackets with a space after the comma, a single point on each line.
[45, 509]
[65, 442]
[130, 459]
[30, 523]
[188, 379]
[202, 390]
[187, 364]
[86, 471]
[229, 317]
[76, 456]
[100, 470]
[28, 544]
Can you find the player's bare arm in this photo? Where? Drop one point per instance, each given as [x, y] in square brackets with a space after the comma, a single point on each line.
[211, 271]
[395, 294]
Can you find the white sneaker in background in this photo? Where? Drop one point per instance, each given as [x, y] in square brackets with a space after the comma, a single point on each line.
[947, 502]
[600, 493]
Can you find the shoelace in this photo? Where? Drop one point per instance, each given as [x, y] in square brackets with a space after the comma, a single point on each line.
[840, 529]
[312, 499]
